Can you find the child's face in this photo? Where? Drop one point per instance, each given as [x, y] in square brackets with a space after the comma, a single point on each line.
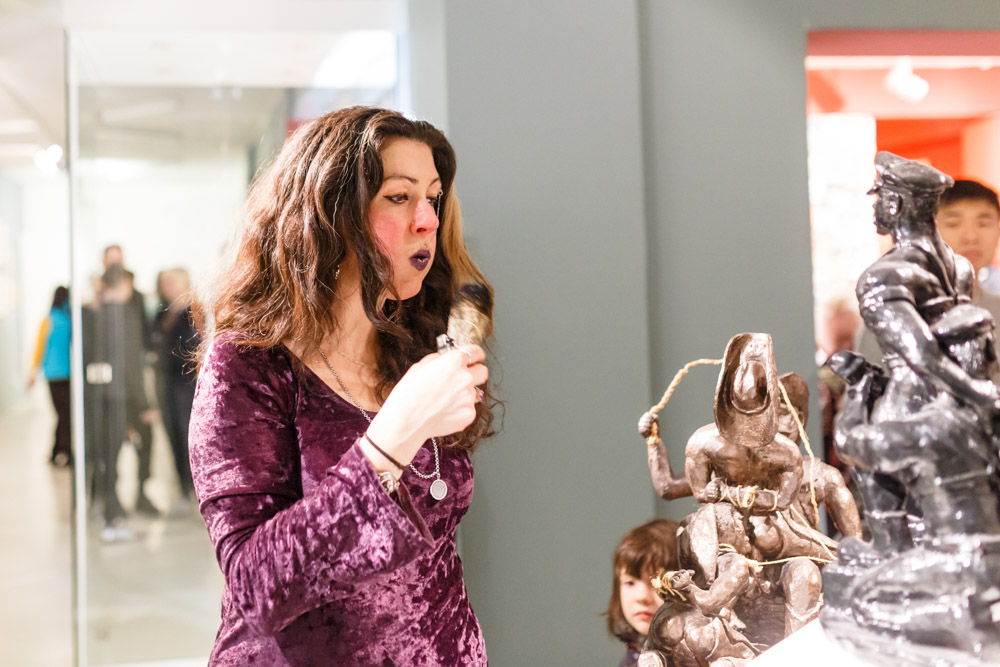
[970, 227]
[639, 601]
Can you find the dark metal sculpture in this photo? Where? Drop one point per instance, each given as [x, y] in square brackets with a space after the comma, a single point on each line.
[751, 555]
[922, 443]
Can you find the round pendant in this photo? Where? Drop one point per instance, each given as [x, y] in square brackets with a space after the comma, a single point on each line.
[439, 489]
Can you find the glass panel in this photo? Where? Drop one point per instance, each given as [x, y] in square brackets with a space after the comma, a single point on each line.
[167, 130]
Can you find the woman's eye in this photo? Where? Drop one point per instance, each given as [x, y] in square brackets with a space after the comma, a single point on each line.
[396, 199]
[434, 201]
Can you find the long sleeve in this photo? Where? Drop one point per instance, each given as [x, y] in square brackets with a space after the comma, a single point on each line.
[284, 554]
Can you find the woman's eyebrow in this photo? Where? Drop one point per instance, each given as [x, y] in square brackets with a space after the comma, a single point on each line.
[408, 178]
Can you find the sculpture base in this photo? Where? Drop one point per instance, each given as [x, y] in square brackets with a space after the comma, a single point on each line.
[932, 605]
[815, 646]
[809, 646]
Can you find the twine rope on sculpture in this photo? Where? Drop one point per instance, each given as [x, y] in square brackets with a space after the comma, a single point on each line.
[661, 583]
[751, 491]
[758, 565]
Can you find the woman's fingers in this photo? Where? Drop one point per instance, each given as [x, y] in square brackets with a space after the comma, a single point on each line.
[480, 374]
[473, 354]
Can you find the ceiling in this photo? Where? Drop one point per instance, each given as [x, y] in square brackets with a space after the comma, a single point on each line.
[32, 102]
[171, 80]
[847, 71]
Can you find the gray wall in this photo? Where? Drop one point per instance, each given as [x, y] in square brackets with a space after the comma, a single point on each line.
[634, 177]
[726, 182]
[547, 130]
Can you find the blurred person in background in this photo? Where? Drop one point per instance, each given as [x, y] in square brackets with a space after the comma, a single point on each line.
[176, 342]
[114, 256]
[52, 356]
[114, 355]
[139, 426]
[836, 330]
[968, 219]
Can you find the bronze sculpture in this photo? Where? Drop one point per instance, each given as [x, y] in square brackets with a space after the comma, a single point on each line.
[751, 555]
[694, 628]
[922, 443]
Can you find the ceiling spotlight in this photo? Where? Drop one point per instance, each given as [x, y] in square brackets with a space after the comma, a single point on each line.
[904, 84]
[47, 159]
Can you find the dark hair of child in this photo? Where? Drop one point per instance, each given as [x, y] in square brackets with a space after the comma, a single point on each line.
[641, 553]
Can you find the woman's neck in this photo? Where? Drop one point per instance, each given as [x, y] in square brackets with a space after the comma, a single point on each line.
[355, 337]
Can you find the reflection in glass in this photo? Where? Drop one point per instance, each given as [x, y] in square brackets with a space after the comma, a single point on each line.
[162, 155]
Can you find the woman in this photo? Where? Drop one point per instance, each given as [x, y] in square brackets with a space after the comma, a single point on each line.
[52, 357]
[323, 416]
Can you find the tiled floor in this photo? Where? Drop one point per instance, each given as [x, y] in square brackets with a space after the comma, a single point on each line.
[36, 597]
[153, 600]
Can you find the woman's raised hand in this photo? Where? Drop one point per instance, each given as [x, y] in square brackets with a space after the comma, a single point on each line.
[436, 397]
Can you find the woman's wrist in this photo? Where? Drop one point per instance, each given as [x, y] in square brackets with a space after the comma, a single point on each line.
[386, 455]
[378, 460]
[399, 440]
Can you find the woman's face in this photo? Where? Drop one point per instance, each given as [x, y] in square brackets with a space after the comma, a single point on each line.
[639, 601]
[403, 213]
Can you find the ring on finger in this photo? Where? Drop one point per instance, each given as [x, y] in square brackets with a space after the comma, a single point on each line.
[468, 354]
[479, 395]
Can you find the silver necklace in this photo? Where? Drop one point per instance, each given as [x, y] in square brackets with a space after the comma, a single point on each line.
[439, 489]
[357, 362]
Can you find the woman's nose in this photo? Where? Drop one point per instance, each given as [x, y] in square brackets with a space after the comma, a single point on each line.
[425, 218]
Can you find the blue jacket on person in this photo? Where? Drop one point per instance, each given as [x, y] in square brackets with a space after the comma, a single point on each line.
[55, 362]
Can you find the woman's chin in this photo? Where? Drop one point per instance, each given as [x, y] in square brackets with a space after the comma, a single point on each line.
[408, 291]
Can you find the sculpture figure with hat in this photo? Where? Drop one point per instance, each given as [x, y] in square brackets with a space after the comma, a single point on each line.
[751, 559]
[922, 443]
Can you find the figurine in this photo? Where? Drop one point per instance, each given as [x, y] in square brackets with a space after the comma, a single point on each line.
[691, 630]
[752, 553]
[821, 482]
[922, 444]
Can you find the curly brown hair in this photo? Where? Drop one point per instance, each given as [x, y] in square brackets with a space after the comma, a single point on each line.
[303, 214]
[642, 552]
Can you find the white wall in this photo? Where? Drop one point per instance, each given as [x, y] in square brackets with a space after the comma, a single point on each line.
[544, 113]
[163, 215]
[43, 249]
[34, 243]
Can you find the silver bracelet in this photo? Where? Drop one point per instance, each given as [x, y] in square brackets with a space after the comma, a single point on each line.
[389, 482]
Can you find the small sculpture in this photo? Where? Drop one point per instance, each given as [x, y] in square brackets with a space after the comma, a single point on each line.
[751, 555]
[694, 628]
[922, 443]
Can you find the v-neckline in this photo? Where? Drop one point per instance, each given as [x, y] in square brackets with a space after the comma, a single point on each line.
[343, 399]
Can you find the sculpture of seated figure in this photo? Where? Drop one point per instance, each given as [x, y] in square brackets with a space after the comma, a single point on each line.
[901, 296]
[947, 462]
[922, 440]
[748, 474]
[820, 482]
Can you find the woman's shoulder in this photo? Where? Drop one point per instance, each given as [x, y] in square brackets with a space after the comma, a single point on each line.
[232, 356]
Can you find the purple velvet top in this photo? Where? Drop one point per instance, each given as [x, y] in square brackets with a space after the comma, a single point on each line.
[322, 566]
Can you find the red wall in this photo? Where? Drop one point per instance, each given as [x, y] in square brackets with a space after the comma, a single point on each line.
[938, 140]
